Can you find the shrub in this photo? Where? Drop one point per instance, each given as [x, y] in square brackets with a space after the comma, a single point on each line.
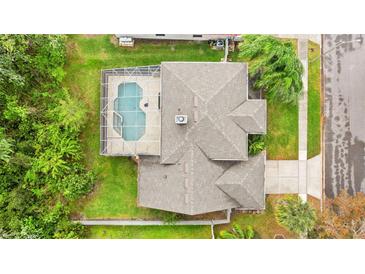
[256, 144]
[237, 233]
[170, 218]
[75, 186]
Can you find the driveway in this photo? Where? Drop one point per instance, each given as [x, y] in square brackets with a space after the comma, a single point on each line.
[344, 82]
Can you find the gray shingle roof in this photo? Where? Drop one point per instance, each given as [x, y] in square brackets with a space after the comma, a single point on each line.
[206, 93]
[186, 187]
[204, 165]
[244, 182]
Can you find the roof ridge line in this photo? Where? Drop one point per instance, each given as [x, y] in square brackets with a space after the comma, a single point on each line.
[256, 162]
[225, 84]
[183, 82]
[251, 114]
[228, 195]
[223, 133]
[254, 165]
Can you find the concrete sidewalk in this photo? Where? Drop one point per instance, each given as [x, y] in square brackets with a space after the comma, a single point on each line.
[285, 177]
[300, 176]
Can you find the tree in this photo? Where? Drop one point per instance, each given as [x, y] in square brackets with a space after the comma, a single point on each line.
[343, 217]
[238, 233]
[273, 66]
[295, 215]
[256, 144]
[44, 170]
[70, 114]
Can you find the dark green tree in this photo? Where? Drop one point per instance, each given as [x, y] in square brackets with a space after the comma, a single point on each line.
[41, 164]
[273, 67]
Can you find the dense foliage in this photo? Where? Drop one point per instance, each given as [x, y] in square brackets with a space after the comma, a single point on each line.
[238, 233]
[274, 67]
[256, 144]
[295, 215]
[41, 168]
[343, 217]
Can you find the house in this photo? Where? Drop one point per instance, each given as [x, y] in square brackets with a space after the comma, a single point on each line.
[188, 124]
[189, 37]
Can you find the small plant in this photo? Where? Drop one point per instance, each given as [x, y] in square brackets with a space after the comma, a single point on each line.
[295, 215]
[238, 233]
[170, 218]
[256, 144]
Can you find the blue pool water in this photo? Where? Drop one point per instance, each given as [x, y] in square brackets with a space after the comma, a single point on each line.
[129, 119]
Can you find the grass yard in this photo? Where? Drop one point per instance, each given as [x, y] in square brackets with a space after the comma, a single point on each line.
[282, 127]
[282, 137]
[282, 131]
[149, 232]
[314, 100]
[264, 224]
[115, 193]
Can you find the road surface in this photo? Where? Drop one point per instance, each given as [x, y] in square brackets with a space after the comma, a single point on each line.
[344, 110]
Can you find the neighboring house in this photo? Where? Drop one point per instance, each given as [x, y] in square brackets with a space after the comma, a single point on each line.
[188, 125]
[196, 37]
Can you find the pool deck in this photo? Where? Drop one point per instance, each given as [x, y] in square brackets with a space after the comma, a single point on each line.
[149, 144]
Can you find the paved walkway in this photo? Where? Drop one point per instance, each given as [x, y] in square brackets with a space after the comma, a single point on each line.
[300, 176]
[122, 222]
[303, 121]
[283, 177]
[150, 223]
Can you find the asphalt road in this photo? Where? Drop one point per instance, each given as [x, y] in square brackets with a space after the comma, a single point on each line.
[344, 110]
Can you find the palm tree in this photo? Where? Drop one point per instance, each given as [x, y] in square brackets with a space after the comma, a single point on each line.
[51, 162]
[238, 233]
[68, 147]
[5, 150]
[273, 66]
[295, 215]
[71, 114]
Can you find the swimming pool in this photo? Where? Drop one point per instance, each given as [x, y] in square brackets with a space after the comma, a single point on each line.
[129, 119]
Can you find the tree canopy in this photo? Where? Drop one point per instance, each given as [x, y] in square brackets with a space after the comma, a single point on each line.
[343, 217]
[41, 168]
[273, 67]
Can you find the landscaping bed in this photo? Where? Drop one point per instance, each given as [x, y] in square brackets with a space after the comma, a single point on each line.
[264, 224]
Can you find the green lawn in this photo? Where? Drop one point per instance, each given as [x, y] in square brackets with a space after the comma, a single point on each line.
[149, 232]
[282, 131]
[282, 125]
[264, 224]
[115, 193]
[314, 100]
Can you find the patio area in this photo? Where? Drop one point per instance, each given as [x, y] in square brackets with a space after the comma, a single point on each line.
[148, 140]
